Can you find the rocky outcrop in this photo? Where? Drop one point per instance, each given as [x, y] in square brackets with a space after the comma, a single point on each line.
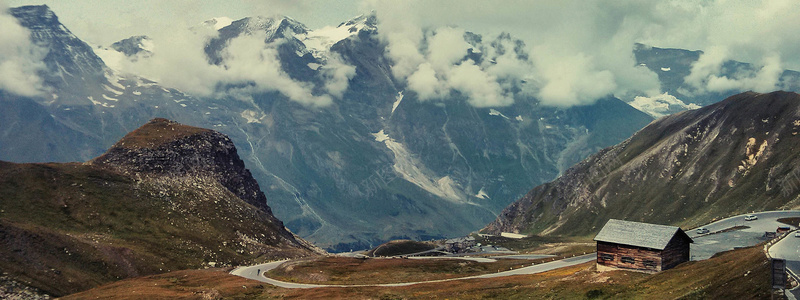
[686, 169]
[166, 148]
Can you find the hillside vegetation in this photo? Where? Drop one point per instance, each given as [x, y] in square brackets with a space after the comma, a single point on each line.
[69, 227]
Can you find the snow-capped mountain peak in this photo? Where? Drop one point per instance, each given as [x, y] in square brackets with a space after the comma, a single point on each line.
[320, 41]
[275, 27]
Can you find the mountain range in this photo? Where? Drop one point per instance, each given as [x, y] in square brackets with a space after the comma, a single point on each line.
[376, 162]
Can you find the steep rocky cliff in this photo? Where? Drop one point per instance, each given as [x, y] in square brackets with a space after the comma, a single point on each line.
[736, 156]
[165, 197]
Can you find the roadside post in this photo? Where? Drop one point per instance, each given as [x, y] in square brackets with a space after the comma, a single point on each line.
[778, 276]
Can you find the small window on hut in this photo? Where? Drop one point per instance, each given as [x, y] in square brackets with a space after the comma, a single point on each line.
[649, 263]
[606, 256]
[628, 260]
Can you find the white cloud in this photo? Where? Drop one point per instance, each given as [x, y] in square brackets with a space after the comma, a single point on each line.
[337, 75]
[403, 35]
[588, 43]
[427, 85]
[20, 60]
[706, 74]
[249, 66]
[571, 63]
[482, 89]
[599, 33]
[571, 80]
[247, 60]
[661, 105]
[432, 64]
[507, 65]
[446, 48]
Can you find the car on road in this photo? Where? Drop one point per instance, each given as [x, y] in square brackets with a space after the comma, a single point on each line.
[750, 218]
[702, 230]
[797, 234]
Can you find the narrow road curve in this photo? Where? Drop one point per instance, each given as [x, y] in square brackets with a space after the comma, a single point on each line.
[789, 249]
[257, 273]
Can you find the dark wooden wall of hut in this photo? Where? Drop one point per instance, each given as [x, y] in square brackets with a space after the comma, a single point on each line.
[643, 258]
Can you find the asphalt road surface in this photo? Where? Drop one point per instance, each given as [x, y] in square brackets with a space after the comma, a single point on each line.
[706, 245]
[789, 249]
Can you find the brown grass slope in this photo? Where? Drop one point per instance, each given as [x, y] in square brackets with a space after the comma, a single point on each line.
[69, 227]
[738, 274]
[736, 156]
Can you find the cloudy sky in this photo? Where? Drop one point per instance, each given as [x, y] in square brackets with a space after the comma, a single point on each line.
[580, 49]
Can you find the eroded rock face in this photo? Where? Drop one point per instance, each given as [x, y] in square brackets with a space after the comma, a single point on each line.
[166, 148]
[686, 169]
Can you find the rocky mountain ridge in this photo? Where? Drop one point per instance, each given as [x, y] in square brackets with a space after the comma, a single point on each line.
[686, 169]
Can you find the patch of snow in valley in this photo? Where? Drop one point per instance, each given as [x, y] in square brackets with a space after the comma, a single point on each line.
[667, 69]
[414, 171]
[313, 66]
[494, 112]
[482, 194]
[109, 98]
[397, 101]
[114, 79]
[93, 101]
[380, 136]
[108, 88]
[252, 116]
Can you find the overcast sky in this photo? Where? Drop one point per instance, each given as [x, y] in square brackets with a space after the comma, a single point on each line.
[580, 49]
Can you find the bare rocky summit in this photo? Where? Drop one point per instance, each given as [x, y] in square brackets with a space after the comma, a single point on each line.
[166, 148]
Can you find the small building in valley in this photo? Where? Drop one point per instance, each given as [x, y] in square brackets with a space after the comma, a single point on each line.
[641, 246]
[459, 245]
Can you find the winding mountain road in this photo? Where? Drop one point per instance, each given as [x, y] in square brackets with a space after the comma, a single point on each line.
[705, 246]
[257, 273]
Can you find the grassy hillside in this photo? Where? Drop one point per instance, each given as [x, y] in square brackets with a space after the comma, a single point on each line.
[70, 227]
[166, 197]
[738, 274]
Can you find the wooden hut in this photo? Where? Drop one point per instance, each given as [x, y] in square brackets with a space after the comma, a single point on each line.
[641, 246]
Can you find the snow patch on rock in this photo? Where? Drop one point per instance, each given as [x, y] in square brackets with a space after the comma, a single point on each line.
[397, 101]
[414, 171]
